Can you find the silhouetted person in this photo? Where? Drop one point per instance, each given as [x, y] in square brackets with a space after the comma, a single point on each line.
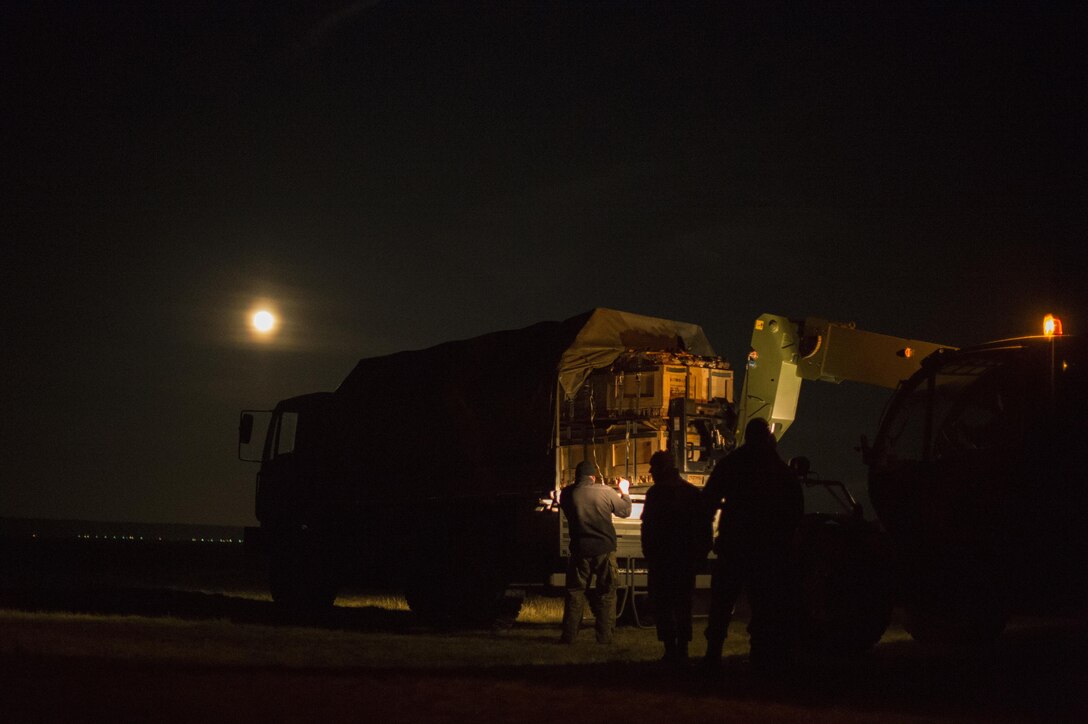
[761, 503]
[591, 572]
[676, 537]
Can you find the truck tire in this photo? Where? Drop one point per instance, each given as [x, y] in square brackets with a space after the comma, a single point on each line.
[461, 599]
[847, 584]
[962, 602]
[457, 577]
[302, 574]
[454, 589]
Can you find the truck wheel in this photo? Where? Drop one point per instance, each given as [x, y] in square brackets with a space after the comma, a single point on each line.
[847, 590]
[960, 603]
[457, 590]
[456, 599]
[302, 574]
[457, 576]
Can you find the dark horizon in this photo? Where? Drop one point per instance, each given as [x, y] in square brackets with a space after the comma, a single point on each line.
[50, 528]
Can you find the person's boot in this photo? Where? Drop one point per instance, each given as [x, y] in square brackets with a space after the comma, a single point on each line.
[606, 619]
[682, 654]
[712, 659]
[670, 651]
[572, 621]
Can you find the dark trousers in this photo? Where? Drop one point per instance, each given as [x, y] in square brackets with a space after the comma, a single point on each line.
[591, 578]
[768, 578]
[671, 585]
[726, 582]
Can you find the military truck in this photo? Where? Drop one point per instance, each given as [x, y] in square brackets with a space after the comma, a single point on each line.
[975, 475]
[438, 470]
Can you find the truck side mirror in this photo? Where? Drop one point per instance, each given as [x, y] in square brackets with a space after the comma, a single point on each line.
[245, 428]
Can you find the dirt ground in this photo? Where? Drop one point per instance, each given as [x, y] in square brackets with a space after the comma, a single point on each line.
[165, 645]
[1031, 678]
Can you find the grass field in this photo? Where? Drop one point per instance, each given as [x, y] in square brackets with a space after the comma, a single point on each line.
[375, 658]
[195, 637]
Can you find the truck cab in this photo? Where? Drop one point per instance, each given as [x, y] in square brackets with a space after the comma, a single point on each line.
[976, 474]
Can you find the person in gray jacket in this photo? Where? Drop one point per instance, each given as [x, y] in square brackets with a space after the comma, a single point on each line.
[591, 573]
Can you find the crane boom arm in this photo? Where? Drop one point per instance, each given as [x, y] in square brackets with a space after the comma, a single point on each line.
[786, 351]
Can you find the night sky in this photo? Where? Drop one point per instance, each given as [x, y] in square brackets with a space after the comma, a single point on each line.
[391, 175]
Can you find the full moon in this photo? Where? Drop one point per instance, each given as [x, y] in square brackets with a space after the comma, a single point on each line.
[264, 321]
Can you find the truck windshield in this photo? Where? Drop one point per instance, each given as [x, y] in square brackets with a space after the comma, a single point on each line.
[958, 407]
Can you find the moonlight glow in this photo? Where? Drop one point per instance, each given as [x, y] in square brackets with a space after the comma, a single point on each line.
[264, 321]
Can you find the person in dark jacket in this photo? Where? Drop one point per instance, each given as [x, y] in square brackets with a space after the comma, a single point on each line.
[761, 505]
[676, 537]
[591, 572]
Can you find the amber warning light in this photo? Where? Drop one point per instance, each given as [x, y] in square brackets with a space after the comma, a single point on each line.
[1052, 326]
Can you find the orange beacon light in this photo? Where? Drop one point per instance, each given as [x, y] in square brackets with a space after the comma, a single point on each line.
[1052, 326]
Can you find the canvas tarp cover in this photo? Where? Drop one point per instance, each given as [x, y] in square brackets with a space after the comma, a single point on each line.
[606, 333]
[484, 409]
